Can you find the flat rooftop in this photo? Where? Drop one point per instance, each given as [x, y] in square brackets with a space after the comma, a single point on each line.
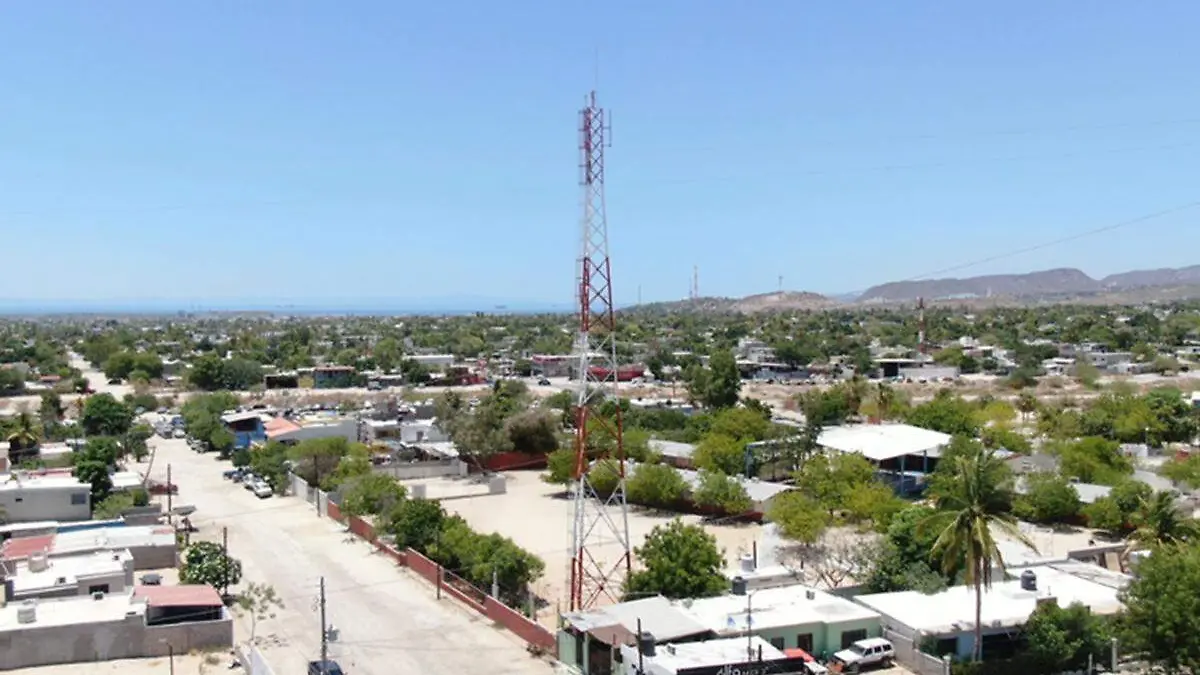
[878, 442]
[72, 611]
[12, 482]
[1006, 604]
[68, 569]
[778, 607]
[670, 659]
[659, 616]
[126, 536]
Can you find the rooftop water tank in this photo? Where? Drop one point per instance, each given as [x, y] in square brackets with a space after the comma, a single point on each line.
[1028, 581]
[27, 612]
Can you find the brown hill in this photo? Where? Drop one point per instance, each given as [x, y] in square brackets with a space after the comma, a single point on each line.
[763, 302]
[1047, 284]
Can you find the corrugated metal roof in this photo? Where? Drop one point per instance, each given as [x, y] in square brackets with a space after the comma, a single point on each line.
[24, 547]
[662, 619]
[878, 442]
[178, 596]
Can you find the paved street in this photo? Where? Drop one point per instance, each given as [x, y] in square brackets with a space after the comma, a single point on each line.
[389, 620]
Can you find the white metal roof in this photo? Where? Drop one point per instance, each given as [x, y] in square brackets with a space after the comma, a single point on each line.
[778, 607]
[672, 448]
[878, 442]
[1005, 605]
[658, 615]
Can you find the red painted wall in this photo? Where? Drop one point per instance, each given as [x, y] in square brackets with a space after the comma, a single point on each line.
[453, 586]
[509, 461]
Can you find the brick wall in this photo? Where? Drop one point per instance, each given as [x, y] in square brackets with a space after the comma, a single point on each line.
[453, 586]
[527, 630]
[508, 461]
[333, 511]
[360, 527]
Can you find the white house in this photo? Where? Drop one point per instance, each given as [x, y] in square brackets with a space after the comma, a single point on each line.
[26, 498]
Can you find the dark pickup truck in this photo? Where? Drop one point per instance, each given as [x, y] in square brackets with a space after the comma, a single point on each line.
[325, 668]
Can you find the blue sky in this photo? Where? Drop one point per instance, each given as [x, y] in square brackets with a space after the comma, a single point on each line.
[228, 150]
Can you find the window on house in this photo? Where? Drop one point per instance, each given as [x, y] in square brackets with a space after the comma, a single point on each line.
[805, 641]
[78, 499]
[777, 643]
[851, 636]
[19, 500]
[98, 588]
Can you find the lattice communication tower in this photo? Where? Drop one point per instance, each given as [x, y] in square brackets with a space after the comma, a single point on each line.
[600, 555]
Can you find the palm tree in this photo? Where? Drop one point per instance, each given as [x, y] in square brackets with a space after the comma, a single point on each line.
[1159, 521]
[22, 438]
[976, 499]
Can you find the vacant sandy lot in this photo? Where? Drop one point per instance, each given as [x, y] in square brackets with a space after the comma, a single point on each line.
[185, 664]
[537, 516]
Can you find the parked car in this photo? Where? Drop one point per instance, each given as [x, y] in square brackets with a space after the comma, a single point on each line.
[156, 488]
[232, 474]
[262, 490]
[865, 653]
[326, 667]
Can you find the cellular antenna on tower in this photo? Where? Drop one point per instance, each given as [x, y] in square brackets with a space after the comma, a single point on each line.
[921, 325]
[600, 555]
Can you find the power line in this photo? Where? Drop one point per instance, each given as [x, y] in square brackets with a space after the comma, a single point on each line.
[1061, 240]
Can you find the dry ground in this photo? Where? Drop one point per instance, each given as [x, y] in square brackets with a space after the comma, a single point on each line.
[185, 664]
[537, 516]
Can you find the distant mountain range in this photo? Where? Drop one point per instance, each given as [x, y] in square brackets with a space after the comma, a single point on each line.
[1047, 284]
[1057, 285]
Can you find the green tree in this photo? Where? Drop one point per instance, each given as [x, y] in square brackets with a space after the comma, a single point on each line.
[317, 458]
[946, 413]
[724, 382]
[1159, 521]
[371, 494]
[831, 480]
[904, 561]
[387, 353]
[799, 517]
[259, 602]
[1115, 512]
[104, 415]
[1060, 640]
[978, 500]
[678, 561]
[1162, 609]
[534, 432]
[51, 409]
[270, 462]
[205, 562]
[560, 466]
[112, 506]
[604, 476]
[1048, 498]
[22, 438]
[415, 523]
[133, 443]
[718, 452]
[722, 493]
[656, 486]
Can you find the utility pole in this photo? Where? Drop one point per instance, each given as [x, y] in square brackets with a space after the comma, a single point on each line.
[324, 634]
[225, 552]
[171, 657]
[170, 513]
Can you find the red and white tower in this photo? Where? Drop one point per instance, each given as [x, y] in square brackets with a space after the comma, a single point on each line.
[600, 556]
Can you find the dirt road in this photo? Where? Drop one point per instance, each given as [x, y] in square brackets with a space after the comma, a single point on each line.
[388, 619]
